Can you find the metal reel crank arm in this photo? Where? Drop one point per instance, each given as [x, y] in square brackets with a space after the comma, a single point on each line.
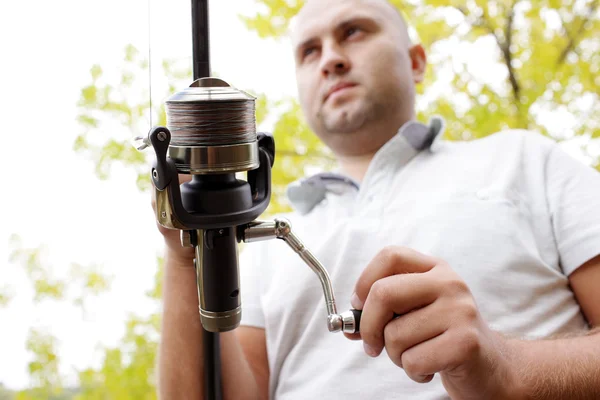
[280, 228]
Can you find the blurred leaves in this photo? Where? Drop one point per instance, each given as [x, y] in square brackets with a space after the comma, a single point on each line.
[114, 108]
[43, 369]
[45, 284]
[128, 369]
[91, 282]
[6, 295]
[6, 394]
[273, 22]
[75, 284]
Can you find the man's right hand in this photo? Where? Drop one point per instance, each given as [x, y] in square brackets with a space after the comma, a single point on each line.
[173, 236]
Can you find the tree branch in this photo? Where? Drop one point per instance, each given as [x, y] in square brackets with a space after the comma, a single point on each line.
[574, 38]
[479, 22]
[516, 88]
[483, 22]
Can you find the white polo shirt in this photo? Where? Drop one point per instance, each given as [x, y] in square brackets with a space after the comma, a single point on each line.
[511, 213]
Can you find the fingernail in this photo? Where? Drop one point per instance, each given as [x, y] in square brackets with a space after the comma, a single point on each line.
[370, 350]
[355, 301]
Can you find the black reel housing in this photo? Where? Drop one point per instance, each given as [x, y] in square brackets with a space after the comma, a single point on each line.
[212, 201]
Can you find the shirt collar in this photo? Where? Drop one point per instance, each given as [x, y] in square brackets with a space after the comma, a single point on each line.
[306, 193]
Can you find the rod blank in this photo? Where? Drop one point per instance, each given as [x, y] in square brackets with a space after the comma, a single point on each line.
[200, 39]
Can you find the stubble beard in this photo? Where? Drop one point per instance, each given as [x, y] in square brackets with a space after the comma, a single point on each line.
[352, 128]
[349, 119]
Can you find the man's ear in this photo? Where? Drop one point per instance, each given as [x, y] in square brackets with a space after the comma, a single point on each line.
[419, 62]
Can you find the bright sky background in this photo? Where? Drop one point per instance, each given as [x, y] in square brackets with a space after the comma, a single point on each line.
[50, 195]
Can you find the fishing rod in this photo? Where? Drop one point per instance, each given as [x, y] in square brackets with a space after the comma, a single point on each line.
[211, 135]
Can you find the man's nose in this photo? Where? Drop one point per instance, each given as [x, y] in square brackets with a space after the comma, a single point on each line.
[334, 61]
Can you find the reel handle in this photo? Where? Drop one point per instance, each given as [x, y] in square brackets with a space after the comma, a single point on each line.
[281, 228]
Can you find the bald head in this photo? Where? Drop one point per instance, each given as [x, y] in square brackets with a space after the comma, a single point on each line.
[385, 9]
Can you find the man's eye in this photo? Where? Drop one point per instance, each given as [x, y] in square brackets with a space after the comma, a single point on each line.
[351, 31]
[308, 51]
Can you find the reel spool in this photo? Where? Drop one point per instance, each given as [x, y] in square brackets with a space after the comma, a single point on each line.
[213, 129]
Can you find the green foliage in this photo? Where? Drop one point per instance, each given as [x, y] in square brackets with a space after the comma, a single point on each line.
[273, 22]
[128, 369]
[43, 370]
[111, 111]
[91, 282]
[6, 295]
[79, 283]
[76, 285]
[47, 383]
[6, 394]
[46, 285]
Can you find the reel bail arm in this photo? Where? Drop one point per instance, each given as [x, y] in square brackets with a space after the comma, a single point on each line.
[281, 228]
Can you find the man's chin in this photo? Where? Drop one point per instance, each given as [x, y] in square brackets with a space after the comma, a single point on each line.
[342, 116]
[344, 121]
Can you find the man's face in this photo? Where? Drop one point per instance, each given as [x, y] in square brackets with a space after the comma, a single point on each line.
[353, 69]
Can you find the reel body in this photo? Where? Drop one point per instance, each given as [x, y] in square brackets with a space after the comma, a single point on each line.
[211, 135]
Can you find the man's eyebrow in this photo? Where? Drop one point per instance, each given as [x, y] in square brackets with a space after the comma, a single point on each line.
[365, 19]
[369, 20]
[306, 43]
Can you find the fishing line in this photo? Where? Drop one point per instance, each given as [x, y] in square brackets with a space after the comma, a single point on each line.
[150, 61]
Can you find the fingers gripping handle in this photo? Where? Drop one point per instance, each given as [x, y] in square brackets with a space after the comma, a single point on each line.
[280, 228]
[351, 320]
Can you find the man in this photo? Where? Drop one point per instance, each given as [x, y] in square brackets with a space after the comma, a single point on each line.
[475, 264]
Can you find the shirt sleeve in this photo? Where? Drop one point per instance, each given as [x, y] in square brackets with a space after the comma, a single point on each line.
[251, 270]
[573, 192]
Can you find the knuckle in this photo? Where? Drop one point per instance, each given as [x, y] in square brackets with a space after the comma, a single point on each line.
[393, 333]
[470, 342]
[413, 364]
[379, 292]
[455, 286]
[441, 264]
[387, 254]
[469, 311]
[391, 254]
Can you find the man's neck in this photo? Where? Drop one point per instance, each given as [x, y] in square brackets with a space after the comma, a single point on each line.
[355, 166]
